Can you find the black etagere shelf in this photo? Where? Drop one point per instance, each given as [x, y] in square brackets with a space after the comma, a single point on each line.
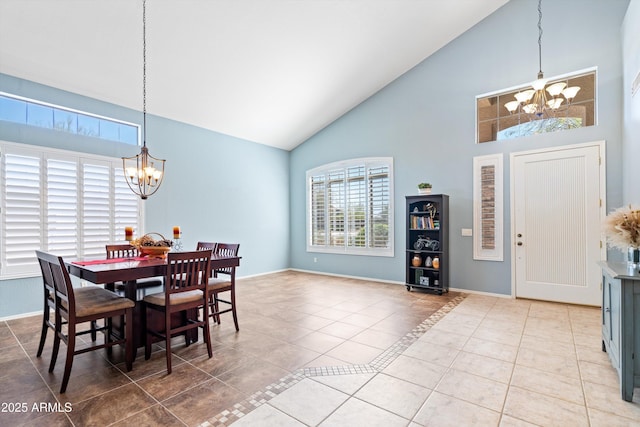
[427, 247]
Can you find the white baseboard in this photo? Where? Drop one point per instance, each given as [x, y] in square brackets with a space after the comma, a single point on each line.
[261, 274]
[370, 279]
[488, 294]
[20, 316]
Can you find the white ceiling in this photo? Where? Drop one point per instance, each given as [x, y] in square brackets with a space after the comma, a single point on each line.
[270, 71]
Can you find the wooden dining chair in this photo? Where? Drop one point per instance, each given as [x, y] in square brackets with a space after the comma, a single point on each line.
[224, 280]
[128, 251]
[49, 304]
[185, 292]
[77, 306]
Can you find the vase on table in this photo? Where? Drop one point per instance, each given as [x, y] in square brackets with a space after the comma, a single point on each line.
[633, 257]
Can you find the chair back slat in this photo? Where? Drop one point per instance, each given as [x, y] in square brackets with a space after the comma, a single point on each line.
[206, 246]
[47, 276]
[226, 249]
[121, 251]
[187, 271]
[61, 281]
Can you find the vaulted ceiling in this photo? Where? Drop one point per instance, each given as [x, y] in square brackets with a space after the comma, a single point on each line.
[269, 71]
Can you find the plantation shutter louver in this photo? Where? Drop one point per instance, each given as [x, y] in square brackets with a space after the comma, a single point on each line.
[336, 196]
[62, 207]
[96, 209]
[318, 210]
[22, 223]
[379, 199]
[126, 206]
[356, 206]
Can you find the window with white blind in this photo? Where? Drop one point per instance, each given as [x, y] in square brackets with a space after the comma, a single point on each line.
[350, 207]
[67, 203]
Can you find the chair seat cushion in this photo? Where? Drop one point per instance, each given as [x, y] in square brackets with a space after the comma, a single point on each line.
[92, 300]
[179, 298]
[217, 284]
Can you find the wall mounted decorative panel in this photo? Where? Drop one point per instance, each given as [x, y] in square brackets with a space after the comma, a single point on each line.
[488, 240]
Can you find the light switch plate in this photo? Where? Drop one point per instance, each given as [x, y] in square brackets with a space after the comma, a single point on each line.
[467, 232]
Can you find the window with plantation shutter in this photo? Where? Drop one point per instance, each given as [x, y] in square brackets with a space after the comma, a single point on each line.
[349, 207]
[69, 204]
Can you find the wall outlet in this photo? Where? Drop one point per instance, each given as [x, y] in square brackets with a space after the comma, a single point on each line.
[467, 232]
[315, 259]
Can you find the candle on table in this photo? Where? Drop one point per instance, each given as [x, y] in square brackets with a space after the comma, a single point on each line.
[128, 233]
[176, 232]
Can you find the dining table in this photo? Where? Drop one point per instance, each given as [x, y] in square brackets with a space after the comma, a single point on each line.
[129, 271]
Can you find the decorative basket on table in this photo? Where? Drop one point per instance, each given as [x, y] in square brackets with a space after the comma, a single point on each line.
[153, 248]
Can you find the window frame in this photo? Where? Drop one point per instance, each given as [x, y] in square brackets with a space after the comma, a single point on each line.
[368, 163]
[78, 116]
[47, 155]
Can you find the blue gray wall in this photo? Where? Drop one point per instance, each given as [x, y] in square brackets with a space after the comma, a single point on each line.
[631, 120]
[217, 187]
[426, 121]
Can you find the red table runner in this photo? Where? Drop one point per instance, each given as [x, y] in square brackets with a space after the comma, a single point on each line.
[108, 261]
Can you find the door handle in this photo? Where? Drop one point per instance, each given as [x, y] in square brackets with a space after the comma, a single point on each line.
[519, 243]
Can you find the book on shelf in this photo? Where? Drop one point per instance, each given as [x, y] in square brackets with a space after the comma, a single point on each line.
[424, 222]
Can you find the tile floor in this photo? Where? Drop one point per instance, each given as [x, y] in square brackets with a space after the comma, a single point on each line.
[332, 351]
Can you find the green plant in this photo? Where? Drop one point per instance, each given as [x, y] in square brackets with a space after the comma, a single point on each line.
[424, 185]
[380, 236]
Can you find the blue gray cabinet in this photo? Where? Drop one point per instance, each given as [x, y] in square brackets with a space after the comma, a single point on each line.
[621, 323]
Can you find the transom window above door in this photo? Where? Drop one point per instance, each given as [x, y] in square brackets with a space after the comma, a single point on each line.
[569, 102]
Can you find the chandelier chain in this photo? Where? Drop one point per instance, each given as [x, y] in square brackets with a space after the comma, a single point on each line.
[140, 171]
[540, 34]
[535, 101]
[144, 72]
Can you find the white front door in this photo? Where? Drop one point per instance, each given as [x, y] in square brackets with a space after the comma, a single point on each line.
[557, 198]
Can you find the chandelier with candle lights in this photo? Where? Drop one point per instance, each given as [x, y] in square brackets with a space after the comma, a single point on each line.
[535, 101]
[143, 172]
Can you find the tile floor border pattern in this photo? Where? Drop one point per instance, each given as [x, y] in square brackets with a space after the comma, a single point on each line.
[230, 415]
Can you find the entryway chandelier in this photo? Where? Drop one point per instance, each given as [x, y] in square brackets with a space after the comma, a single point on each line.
[535, 101]
[140, 172]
